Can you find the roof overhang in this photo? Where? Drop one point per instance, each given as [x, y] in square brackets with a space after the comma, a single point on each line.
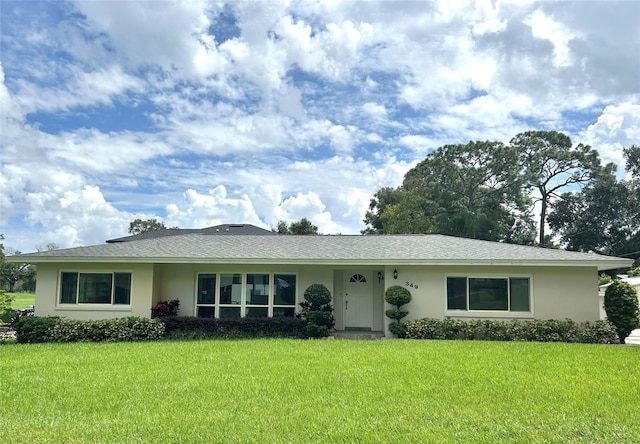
[608, 264]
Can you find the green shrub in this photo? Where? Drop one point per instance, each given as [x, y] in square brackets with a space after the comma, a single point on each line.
[621, 306]
[396, 314]
[399, 329]
[320, 318]
[425, 329]
[397, 296]
[317, 300]
[33, 329]
[317, 331]
[5, 306]
[604, 279]
[107, 330]
[600, 332]
[233, 328]
[317, 295]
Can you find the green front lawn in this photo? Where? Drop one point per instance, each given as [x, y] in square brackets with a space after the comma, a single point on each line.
[22, 300]
[290, 391]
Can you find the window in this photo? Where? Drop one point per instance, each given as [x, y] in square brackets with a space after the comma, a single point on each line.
[490, 294]
[95, 288]
[233, 295]
[357, 278]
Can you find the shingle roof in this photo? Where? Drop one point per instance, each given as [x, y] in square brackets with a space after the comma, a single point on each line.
[215, 230]
[324, 249]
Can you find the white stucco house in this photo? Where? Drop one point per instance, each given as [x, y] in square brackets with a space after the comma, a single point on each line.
[240, 270]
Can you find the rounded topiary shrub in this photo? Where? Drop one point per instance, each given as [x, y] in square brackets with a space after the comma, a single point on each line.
[317, 311]
[621, 306]
[397, 296]
[317, 295]
[396, 314]
[317, 331]
[399, 329]
[320, 317]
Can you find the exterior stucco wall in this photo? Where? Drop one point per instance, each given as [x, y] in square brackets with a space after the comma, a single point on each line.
[557, 292]
[48, 288]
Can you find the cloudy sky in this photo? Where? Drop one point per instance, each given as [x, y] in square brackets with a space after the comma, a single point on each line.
[206, 112]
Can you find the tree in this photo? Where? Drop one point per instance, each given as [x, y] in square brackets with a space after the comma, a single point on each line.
[472, 190]
[384, 198]
[621, 306]
[301, 227]
[140, 226]
[11, 273]
[603, 217]
[550, 164]
[632, 157]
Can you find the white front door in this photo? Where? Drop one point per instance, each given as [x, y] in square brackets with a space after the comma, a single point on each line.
[358, 299]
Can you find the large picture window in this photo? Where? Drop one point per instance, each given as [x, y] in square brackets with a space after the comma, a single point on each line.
[227, 295]
[95, 288]
[488, 294]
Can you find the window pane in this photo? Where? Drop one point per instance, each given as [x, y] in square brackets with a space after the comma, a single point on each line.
[257, 312]
[230, 288]
[206, 288]
[488, 294]
[95, 288]
[519, 294]
[68, 288]
[229, 312]
[122, 292]
[282, 312]
[206, 312]
[285, 289]
[456, 293]
[257, 289]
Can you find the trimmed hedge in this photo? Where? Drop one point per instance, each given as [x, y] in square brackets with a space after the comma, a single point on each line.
[599, 332]
[53, 329]
[233, 328]
[34, 329]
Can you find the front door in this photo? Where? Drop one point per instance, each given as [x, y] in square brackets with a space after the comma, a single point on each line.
[358, 300]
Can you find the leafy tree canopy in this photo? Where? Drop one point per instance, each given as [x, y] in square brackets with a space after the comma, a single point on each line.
[140, 226]
[603, 218]
[551, 164]
[301, 227]
[472, 190]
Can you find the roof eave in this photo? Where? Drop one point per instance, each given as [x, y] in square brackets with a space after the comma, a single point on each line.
[608, 264]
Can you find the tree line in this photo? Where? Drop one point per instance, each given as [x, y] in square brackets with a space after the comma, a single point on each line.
[491, 190]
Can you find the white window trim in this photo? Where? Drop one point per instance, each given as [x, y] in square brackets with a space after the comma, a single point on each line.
[489, 314]
[243, 293]
[59, 306]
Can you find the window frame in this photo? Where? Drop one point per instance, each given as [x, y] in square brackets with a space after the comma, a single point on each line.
[479, 313]
[112, 305]
[244, 305]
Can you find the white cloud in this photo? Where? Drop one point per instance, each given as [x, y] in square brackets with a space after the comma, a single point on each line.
[99, 87]
[150, 33]
[304, 109]
[216, 207]
[617, 127]
[71, 217]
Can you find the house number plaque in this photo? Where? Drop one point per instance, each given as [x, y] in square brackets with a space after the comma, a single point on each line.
[411, 285]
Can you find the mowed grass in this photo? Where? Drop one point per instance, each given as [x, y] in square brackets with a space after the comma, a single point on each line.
[293, 391]
[22, 300]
